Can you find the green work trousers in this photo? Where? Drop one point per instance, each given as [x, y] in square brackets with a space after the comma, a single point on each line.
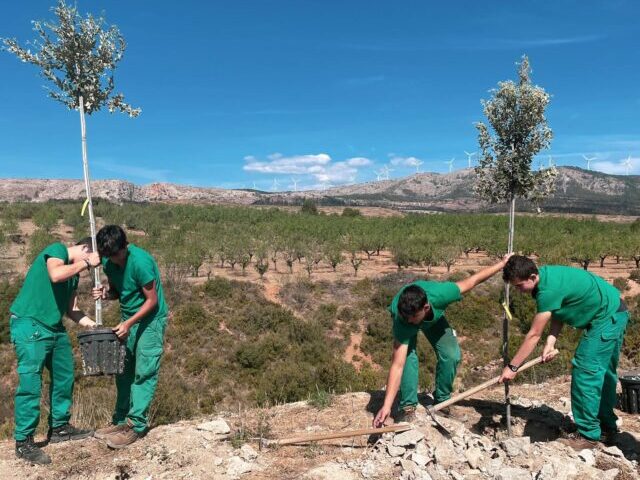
[594, 376]
[445, 344]
[137, 384]
[38, 347]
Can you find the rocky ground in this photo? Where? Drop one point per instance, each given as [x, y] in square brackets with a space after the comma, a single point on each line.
[227, 446]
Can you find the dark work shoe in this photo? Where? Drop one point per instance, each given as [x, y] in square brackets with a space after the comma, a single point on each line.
[29, 451]
[608, 435]
[68, 432]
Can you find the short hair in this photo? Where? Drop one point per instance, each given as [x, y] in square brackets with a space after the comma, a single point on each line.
[86, 242]
[518, 267]
[111, 239]
[411, 301]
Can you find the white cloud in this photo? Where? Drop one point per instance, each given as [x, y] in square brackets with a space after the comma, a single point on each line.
[399, 161]
[279, 164]
[359, 162]
[619, 167]
[320, 169]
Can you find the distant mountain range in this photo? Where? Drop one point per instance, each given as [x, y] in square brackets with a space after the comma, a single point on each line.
[578, 191]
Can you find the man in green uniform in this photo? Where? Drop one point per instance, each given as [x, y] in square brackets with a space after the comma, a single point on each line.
[40, 340]
[134, 279]
[420, 306]
[582, 300]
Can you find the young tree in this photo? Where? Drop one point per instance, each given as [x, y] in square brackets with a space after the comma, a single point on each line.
[516, 113]
[78, 56]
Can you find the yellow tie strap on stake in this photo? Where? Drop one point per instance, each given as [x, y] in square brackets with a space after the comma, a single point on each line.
[507, 311]
[84, 207]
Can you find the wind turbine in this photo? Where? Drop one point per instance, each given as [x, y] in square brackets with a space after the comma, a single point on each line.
[275, 186]
[386, 171]
[469, 155]
[254, 186]
[588, 160]
[450, 163]
[551, 164]
[417, 163]
[295, 184]
[378, 174]
[627, 164]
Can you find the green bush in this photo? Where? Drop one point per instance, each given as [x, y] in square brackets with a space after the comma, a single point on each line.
[351, 212]
[38, 241]
[254, 355]
[217, 288]
[320, 399]
[309, 207]
[635, 275]
[8, 292]
[621, 284]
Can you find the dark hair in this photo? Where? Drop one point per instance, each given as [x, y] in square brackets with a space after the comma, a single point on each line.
[518, 267]
[111, 239]
[411, 300]
[86, 241]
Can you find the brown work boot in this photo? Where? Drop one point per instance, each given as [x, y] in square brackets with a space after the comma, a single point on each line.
[406, 414]
[578, 442]
[122, 438]
[102, 433]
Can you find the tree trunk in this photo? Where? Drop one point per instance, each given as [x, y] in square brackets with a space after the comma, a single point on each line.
[92, 220]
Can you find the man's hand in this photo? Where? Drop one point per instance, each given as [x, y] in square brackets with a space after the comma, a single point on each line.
[99, 293]
[549, 352]
[86, 322]
[506, 258]
[92, 258]
[122, 330]
[381, 417]
[506, 375]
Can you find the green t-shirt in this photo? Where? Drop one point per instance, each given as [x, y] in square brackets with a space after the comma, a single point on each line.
[439, 296]
[574, 296]
[40, 298]
[139, 269]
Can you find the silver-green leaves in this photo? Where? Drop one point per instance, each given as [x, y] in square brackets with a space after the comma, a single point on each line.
[520, 131]
[78, 55]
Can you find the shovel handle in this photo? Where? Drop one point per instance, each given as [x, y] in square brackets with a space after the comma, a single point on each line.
[486, 384]
[314, 437]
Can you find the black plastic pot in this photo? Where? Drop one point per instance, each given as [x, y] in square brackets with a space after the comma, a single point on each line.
[102, 352]
[630, 393]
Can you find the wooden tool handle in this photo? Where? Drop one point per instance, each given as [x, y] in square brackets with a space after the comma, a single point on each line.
[486, 384]
[314, 437]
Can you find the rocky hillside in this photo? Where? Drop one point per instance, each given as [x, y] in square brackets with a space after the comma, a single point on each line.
[578, 191]
[227, 446]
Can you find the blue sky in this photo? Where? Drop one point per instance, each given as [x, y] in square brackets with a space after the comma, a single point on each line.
[264, 93]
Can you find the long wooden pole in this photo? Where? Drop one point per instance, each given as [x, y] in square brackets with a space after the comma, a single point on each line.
[505, 318]
[314, 437]
[487, 384]
[92, 220]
